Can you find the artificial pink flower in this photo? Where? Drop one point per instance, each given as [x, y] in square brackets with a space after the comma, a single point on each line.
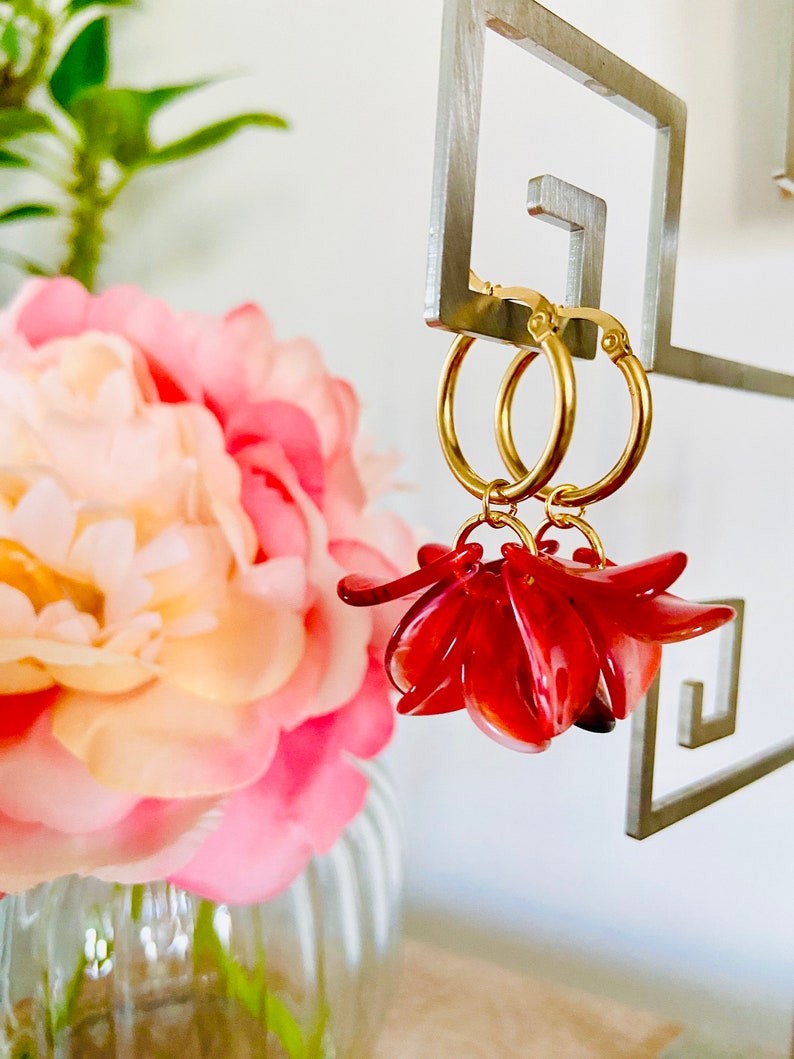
[179, 495]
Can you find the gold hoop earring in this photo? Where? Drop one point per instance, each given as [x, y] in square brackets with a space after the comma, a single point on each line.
[615, 343]
[544, 327]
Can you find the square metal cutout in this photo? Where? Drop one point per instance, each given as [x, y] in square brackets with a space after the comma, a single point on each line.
[450, 302]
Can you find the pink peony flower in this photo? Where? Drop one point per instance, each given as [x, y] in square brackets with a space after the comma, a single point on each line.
[180, 687]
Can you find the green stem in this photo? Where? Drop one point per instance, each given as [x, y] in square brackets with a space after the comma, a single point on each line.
[15, 88]
[87, 232]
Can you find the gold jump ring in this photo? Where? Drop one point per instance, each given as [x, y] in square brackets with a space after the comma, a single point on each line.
[615, 344]
[499, 519]
[493, 495]
[574, 522]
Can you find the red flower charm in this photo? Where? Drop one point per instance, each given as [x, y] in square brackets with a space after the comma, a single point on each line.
[530, 644]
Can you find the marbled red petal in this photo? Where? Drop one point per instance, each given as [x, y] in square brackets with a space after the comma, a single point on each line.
[423, 655]
[561, 655]
[628, 665]
[497, 681]
[633, 582]
[360, 591]
[669, 619]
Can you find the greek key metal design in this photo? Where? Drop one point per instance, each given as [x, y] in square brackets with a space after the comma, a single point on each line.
[450, 302]
[585, 217]
[645, 814]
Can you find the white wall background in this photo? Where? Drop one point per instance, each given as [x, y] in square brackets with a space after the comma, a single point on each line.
[326, 226]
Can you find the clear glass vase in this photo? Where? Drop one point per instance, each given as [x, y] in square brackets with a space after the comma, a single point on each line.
[93, 970]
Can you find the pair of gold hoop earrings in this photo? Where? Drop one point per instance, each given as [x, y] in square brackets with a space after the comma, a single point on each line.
[545, 335]
[530, 644]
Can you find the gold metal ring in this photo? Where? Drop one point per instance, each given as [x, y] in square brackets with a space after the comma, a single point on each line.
[559, 518]
[543, 333]
[574, 522]
[494, 495]
[615, 344]
[498, 520]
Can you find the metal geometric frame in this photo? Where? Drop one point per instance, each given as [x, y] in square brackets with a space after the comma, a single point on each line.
[785, 178]
[450, 303]
[646, 815]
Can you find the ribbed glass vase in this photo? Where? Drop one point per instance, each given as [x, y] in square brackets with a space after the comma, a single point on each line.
[93, 970]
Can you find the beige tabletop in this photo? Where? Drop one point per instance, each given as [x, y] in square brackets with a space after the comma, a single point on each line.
[454, 1007]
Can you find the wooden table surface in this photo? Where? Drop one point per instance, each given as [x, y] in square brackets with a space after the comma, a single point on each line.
[453, 1007]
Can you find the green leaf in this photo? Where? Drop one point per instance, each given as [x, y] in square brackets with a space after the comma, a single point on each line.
[25, 9]
[24, 264]
[84, 64]
[27, 211]
[9, 160]
[249, 990]
[76, 6]
[10, 42]
[19, 121]
[210, 136]
[115, 121]
[136, 902]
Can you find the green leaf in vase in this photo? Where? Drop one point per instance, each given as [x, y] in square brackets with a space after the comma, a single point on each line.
[84, 64]
[249, 990]
[27, 211]
[210, 136]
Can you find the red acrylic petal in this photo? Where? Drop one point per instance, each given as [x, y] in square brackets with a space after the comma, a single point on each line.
[423, 654]
[628, 665]
[669, 619]
[360, 591]
[634, 581]
[429, 553]
[497, 681]
[549, 546]
[438, 690]
[560, 652]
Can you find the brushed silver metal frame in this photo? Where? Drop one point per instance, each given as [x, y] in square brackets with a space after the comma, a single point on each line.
[585, 216]
[645, 815]
[785, 178]
[450, 303]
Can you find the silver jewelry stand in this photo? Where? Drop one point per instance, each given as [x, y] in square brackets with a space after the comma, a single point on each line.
[451, 304]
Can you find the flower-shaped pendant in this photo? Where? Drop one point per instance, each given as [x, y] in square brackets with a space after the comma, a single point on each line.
[532, 644]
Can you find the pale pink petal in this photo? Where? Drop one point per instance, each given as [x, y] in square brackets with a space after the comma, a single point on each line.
[103, 553]
[69, 800]
[44, 521]
[17, 615]
[282, 581]
[155, 839]
[20, 678]
[61, 621]
[298, 808]
[164, 742]
[78, 666]
[254, 650]
[51, 309]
